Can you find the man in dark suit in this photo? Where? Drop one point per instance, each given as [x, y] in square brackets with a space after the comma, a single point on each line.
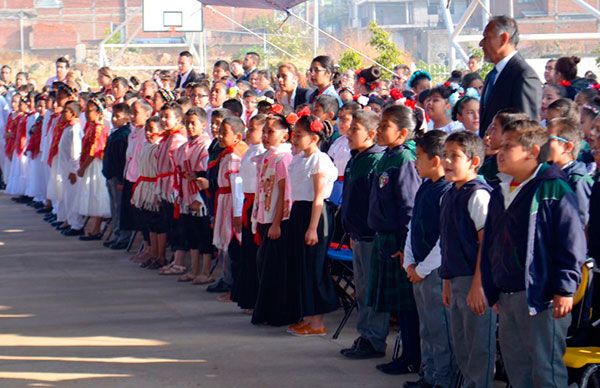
[512, 83]
[186, 73]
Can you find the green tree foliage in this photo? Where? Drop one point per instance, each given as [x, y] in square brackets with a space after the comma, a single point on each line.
[389, 54]
[350, 60]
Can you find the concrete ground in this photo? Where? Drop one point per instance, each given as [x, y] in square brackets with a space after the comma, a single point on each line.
[74, 313]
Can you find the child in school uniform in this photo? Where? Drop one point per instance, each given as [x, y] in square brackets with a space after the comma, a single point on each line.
[229, 198]
[246, 282]
[326, 108]
[144, 196]
[372, 326]
[312, 174]
[533, 250]
[69, 152]
[173, 137]
[594, 212]
[462, 218]
[493, 140]
[94, 201]
[339, 150]
[191, 160]
[113, 168]
[563, 148]
[422, 260]
[439, 108]
[395, 183]
[274, 304]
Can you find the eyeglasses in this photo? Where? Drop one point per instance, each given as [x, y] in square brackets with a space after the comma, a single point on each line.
[199, 95]
[316, 70]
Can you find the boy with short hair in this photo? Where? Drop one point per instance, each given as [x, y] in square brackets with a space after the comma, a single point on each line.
[563, 147]
[113, 169]
[422, 260]
[373, 326]
[532, 254]
[326, 109]
[462, 218]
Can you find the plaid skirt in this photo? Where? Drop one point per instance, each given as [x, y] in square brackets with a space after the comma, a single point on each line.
[389, 289]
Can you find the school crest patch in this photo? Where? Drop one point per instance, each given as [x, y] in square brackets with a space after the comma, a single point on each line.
[384, 180]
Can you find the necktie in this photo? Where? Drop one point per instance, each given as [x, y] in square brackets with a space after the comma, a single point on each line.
[491, 78]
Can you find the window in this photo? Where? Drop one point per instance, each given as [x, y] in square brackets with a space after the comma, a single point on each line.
[48, 4]
[394, 14]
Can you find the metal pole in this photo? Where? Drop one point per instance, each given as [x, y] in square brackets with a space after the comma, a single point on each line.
[511, 9]
[316, 28]
[22, 41]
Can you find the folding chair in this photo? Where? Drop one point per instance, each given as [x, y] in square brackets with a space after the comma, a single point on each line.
[343, 279]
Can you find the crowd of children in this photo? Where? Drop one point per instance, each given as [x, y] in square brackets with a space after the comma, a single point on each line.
[451, 234]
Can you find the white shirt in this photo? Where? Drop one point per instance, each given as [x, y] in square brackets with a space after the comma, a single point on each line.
[478, 207]
[301, 171]
[248, 171]
[340, 153]
[431, 262]
[502, 64]
[505, 181]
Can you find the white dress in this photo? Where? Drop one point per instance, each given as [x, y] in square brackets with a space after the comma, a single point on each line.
[69, 151]
[35, 176]
[94, 200]
[17, 180]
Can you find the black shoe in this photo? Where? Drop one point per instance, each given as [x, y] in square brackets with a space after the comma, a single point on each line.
[44, 210]
[38, 205]
[56, 223]
[156, 265]
[363, 351]
[119, 245]
[107, 244]
[73, 232]
[218, 287]
[60, 228]
[354, 345]
[147, 263]
[50, 219]
[398, 367]
[91, 237]
[421, 383]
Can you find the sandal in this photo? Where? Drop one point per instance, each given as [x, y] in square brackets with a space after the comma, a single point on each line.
[165, 268]
[174, 270]
[188, 277]
[224, 298]
[201, 280]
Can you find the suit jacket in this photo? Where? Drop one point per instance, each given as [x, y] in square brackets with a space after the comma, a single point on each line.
[301, 96]
[517, 86]
[192, 77]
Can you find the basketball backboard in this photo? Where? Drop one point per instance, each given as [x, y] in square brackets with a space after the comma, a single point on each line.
[172, 15]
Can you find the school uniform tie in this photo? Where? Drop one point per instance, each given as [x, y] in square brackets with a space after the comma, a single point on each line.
[491, 78]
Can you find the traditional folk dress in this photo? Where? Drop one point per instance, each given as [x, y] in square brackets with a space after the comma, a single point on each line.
[94, 200]
[67, 160]
[9, 143]
[277, 303]
[229, 197]
[56, 181]
[36, 182]
[16, 182]
[192, 159]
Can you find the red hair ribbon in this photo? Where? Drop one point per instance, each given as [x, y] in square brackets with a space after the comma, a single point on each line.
[292, 118]
[565, 83]
[277, 109]
[412, 104]
[396, 94]
[304, 112]
[316, 126]
[447, 84]
[596, 87]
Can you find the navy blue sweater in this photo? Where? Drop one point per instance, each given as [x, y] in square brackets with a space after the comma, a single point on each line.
[459, 241]
[393, 191]
[113, 163]
[358, 178]
[425, 222]
[581, 183]
[555, 249]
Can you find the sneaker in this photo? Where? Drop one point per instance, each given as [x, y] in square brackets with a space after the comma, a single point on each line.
[119, 245]
[309, 331]
[354, 345]
[219, 287]
[421, 383]
[398, 367]
[363, 351]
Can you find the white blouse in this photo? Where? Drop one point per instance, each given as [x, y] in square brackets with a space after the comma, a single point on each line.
[248, 170]
[301, 171]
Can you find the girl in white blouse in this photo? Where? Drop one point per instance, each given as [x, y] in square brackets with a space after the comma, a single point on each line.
[312, 174]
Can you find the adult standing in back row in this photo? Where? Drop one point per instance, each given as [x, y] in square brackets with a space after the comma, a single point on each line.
[512, 83]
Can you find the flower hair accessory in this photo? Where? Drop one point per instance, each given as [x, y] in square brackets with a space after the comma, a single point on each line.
[457, 93]
[98, 104]
[266, 99]
[277, 109]
[596, 87]
[316, 126]
[396, 94]
[565, 83]
[418, 74]
[412, 104]
[362, 81]
[304, 112]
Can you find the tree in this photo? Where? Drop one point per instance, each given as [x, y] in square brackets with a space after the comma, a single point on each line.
[389, 54]
[350, 59]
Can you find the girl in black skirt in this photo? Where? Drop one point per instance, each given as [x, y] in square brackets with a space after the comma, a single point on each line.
[312, 174]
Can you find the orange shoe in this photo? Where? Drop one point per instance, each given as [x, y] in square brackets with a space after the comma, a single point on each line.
[309, 331]
[296, 326]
